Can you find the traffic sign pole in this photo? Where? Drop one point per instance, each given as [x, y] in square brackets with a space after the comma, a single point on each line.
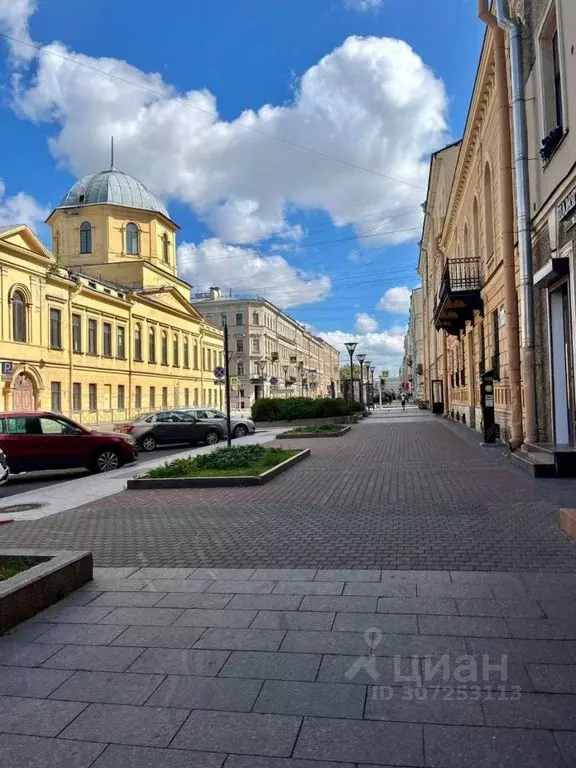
[227, 380]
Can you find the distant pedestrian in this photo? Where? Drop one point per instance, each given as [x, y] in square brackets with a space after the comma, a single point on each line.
[403, 400]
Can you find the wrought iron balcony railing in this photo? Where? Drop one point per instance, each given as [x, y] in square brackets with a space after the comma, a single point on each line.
[458, 294]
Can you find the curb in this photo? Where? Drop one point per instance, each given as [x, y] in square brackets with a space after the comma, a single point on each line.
[308, 435]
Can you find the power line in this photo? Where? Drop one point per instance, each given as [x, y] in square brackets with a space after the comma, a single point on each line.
[288, 142]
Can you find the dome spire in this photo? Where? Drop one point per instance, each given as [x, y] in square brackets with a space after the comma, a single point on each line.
[112, 166]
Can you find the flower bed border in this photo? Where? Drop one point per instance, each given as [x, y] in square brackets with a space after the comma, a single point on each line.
[142, 483]
[307, 435]
[28, 592]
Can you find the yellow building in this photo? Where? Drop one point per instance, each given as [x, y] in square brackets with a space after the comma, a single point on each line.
[102, 328]
[468, 262]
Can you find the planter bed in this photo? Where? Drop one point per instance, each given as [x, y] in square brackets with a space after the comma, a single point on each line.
[295, 435]
[220, 480]
[41, 577]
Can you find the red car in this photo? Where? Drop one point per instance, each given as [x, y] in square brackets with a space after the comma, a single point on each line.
[33, 441]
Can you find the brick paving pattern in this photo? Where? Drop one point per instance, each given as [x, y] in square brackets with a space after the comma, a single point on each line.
[408, 492]
[295, 668]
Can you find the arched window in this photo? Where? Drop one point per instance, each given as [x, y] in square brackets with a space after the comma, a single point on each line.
[164, 348]
[476, 229]
[176, 351]
[467, 253]
[132, 244]
[165, 252]
[138, 342]
[86, 237]
[152, 345]
[18, 316]
[186, 352]
[488, 214]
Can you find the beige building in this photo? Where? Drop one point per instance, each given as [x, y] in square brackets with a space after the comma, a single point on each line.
[467, 260]
[272, 355]
[101, 328]
[413, 361]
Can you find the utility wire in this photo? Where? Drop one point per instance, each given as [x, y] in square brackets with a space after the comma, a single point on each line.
[288, 142]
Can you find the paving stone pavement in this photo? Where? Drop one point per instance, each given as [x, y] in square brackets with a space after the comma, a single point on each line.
[393, 677]
[399, 491]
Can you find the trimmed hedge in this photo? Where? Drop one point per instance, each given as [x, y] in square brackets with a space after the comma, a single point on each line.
[272, 409]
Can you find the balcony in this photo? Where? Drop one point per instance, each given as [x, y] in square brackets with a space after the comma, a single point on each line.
[458, 295]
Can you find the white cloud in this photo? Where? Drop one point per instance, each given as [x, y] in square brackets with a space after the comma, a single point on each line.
[364, 5]
[213, 262]
[384, 349]
[371, 102]
[20, 209]
[396, 300]
[14, 16]
[365, 323]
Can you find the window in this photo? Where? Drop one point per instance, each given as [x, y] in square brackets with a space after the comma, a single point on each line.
[196, 396]
[186, 396]
[255, 345]
[209, 397]
[55, 329]
[121, 396]
[92, 397]
[152, 345]
[240, 368]
[165, 253]
[488, 214]
[138, 397]
[176, 397]
[164, 348]
[92, 337]
[152, 397]
[551, 73]
[255, 318]
[132, 244]
[107, 339]
[76, 397]
[121, 342]
[138, 342]
[195, 355]
[164, 397]
[239, 318]
[176, 351]
[223, 319]
[46, 426]
[186, 352]
[18, 316]
[55, 396]
[85, 237]
[239, 345]
[76, 333]
[495, 341]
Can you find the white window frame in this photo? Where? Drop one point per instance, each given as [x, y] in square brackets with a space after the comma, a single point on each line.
[543, 38]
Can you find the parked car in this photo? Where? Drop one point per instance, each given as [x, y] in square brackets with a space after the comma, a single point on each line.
[152, 429]
[238, 427]
[4, 468]
[33, 441]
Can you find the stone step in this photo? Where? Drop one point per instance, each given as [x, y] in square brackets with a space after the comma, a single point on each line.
[538, 464]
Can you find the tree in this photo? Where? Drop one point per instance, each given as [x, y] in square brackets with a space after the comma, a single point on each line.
[345, 372]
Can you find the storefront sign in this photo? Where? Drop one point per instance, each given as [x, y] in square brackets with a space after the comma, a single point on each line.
[567, 205]
[7, 370]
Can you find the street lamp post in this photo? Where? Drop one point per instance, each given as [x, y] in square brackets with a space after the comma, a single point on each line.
[367, 364]
[372, 369]
[286, 368]
[361, 359]
[351, 346]
[227, 381]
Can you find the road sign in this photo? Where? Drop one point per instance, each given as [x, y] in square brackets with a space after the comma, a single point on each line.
[384, 374]
[234, 382]
[273, 380]
[7, 370]
[293, 359]
[219, 372]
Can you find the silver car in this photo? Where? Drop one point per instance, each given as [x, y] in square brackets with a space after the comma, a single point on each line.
[239, 427]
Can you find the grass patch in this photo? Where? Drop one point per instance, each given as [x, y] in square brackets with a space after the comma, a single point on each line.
[315, 429]
[246, 461]
[10, 566]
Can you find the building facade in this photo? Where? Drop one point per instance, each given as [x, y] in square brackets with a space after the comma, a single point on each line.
[272, 355]
[549, 69]
[468, 262]
[101, 328]
[413, 361]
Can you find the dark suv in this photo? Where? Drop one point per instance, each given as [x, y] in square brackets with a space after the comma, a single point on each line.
[33, 441]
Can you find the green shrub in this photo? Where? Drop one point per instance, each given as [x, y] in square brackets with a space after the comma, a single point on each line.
[227, 458]
[272, 409]
[314, 428]
[246, 459]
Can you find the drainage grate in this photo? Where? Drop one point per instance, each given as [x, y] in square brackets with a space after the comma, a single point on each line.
[19, 508]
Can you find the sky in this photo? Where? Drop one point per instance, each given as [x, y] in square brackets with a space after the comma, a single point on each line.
[290, 139]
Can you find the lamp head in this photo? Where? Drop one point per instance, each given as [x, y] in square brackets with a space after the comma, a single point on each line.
[351, 346]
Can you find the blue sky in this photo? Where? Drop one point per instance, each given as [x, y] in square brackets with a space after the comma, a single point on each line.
[326, 239]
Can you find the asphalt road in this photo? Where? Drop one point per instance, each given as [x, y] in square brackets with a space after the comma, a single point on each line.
[32, 481]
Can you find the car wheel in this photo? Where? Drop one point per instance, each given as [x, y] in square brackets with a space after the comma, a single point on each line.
[107, 460]
[240, 431]
[5, 477]
[148, 443]
[212, 437]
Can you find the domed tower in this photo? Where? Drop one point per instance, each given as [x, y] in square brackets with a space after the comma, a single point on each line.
[111, 226]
